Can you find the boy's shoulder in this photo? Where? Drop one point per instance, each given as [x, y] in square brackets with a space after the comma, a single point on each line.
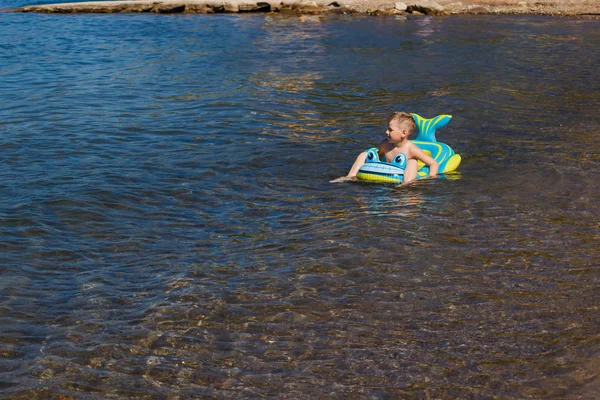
[410, 146]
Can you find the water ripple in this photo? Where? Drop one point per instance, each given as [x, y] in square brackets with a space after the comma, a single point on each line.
[168, 229]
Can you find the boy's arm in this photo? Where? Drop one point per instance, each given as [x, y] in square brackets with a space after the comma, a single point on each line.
[419, 154]
[360, 161]
[384, 147]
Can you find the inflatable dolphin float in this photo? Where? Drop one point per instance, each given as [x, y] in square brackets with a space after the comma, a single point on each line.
[376, 170]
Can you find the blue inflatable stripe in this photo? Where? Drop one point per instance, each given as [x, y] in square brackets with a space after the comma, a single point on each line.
[427, 127]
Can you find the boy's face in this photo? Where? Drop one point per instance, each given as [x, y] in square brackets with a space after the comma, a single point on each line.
[396, 132]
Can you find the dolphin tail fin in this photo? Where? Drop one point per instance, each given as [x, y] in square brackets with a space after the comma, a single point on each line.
[426, 127]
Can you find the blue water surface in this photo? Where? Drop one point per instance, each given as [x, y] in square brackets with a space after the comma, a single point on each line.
[168, 227]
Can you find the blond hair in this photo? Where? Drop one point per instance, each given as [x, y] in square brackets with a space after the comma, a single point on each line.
[403, 118]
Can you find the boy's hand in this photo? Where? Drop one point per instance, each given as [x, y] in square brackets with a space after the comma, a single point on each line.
[343, 179]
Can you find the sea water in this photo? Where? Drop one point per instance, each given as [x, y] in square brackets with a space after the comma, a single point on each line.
[168, 228]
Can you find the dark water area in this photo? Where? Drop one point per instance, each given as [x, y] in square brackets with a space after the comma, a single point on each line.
[168, 228]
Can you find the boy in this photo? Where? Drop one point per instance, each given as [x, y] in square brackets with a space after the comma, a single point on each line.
[400, 127]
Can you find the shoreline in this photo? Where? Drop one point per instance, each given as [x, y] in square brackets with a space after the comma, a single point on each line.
[588, 8]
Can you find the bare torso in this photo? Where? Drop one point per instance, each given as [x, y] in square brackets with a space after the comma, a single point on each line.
[389, 150]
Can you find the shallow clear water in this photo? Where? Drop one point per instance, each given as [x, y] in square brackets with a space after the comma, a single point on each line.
[168, 228]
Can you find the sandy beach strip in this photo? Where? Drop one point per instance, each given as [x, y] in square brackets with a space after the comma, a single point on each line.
[306, 7]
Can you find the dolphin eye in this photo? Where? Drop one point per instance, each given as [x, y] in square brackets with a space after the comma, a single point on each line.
[372, 156]
[400, 160]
